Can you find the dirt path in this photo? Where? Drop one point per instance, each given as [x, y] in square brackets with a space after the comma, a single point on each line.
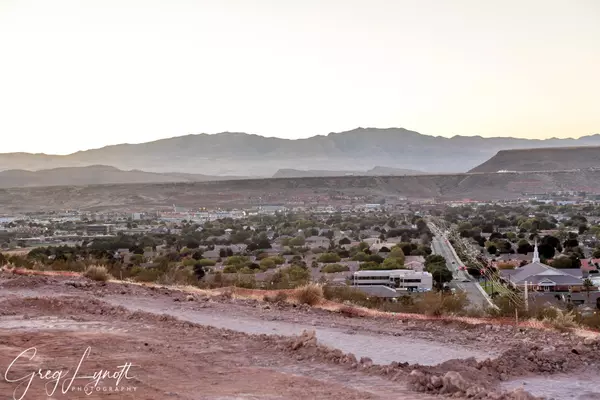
[171, 359]
[382, 349]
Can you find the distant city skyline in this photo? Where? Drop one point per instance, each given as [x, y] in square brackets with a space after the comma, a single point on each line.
[81, 75]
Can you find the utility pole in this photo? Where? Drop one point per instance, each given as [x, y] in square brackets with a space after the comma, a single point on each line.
[526, 296]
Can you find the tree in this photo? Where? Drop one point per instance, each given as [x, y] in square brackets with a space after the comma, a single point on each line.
[596, 253]
[562, 262]
[396, 252]
[392, 263]
[266, 264]
[136, 259]
[360, 256]
[406, 247]
[199, 271]
[3, 260]
[298, 241]
[524, 247]
[587, 286]
[329, 258]
[440, 275]
[344, 241]
[571, 242]
[376, 258]
[435, 259]
[192, 244]
[492, 249]
[546, 251]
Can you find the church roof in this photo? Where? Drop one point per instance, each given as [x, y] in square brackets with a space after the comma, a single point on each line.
[537, 272]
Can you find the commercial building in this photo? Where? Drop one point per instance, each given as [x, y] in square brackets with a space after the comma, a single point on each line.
[392, 282]
[100, 229]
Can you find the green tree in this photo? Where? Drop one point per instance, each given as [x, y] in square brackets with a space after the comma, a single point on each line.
[266, 264]
[298, 241]
[397, 253]
[332, 268]
[199, 271]
[562, 262]
[329, 258]
[344, 241]
[588, 285]
[392, 263]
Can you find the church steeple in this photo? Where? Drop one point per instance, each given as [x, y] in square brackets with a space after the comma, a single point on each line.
[536, 254]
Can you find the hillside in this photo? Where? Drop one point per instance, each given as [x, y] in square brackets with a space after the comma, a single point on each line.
[552, 159]
[252, 155]
[92, 175]
[376, 171]
[253, 192]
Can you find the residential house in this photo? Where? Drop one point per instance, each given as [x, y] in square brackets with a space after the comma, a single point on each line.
[416, 263]
[379, 244]
[314, 242]
[211, 255]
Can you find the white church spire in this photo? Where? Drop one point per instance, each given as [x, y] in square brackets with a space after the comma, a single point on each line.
[536, 254]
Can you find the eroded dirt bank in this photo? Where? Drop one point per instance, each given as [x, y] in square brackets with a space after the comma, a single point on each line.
[184, 358]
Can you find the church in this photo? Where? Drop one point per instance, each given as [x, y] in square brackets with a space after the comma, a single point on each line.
[540, 277]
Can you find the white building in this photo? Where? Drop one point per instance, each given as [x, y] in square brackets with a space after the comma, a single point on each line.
[394, 280]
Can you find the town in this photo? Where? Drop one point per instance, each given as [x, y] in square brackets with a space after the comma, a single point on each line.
[543, 250]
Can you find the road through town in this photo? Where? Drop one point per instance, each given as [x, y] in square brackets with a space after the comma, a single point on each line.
[462, 280]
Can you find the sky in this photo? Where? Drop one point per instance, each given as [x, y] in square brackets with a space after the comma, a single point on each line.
[84, 74]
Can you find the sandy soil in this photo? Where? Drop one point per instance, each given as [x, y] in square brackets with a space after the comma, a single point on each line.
[186, 346]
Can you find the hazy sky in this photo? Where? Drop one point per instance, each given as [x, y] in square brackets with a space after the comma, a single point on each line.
[77, 74]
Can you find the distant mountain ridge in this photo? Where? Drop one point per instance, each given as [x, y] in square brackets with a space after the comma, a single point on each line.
[548, 159]
[375, 171]
[94, 175]
[243, 154]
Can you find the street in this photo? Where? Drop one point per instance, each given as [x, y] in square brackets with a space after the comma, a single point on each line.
[462, 280]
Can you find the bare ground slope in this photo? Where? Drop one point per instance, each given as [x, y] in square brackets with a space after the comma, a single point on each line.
[238, 193]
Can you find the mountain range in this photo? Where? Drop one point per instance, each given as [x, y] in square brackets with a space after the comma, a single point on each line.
[375, 171]
[95, 175]
[240, 154]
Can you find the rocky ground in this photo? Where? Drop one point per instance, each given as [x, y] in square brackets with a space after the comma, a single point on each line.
[180, 348]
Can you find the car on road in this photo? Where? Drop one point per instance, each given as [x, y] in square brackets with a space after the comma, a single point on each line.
[465, 280]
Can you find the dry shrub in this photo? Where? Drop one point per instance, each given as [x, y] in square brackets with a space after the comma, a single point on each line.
[437, 304]
[310, 294]
[97, 273]
[146, 274]
[562, 321]
[178, 276]
[351, 312]
[280, 297]
[591, 321]
[346, 293]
